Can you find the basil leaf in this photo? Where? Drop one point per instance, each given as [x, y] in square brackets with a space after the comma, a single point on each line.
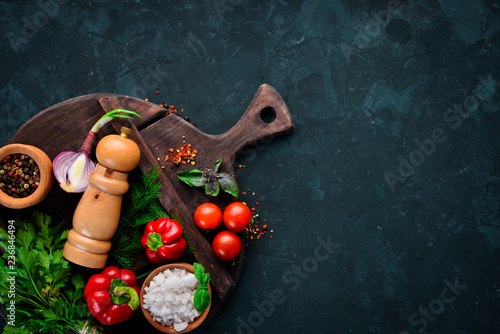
[198, 272]
[212, 188]
[201, 298]
[205, 279]
[193, 177]
[216, 166]
[228, 184]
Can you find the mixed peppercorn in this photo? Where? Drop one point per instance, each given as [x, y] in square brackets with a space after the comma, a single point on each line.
[19, 175]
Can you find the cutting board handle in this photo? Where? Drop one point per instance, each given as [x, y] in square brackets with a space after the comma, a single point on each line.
[254, 128]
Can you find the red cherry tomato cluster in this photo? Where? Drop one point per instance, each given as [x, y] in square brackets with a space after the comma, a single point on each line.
[236, 217]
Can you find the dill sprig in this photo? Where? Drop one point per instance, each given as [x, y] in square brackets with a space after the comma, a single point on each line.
[143, 196]
[141, 207]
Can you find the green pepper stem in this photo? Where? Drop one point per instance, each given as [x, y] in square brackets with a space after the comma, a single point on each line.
[134, 298]
[154, 241]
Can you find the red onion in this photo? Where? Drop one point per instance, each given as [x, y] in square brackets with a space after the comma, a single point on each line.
[71, 169]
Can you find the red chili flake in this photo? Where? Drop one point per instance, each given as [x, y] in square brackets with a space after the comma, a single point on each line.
[264, 227]
[181, 155]
[157, 92]
[257, 203]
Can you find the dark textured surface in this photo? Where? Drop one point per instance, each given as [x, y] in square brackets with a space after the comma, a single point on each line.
[371, 92]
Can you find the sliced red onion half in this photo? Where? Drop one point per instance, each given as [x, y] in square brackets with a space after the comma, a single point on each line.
[72, 169]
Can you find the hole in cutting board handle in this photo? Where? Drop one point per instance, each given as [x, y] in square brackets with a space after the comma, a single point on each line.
[268, 115]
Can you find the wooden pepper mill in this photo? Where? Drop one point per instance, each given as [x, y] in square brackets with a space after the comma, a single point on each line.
[96, 217]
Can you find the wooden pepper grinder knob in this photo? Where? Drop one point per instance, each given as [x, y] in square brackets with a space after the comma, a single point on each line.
[96, 217]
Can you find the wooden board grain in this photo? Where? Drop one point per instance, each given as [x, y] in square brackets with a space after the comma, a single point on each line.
[65, 125]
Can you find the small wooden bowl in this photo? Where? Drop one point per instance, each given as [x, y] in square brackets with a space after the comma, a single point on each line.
[46, 177]
[165, 329]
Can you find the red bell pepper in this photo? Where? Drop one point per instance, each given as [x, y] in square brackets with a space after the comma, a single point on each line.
[112, 296]
[163, 240]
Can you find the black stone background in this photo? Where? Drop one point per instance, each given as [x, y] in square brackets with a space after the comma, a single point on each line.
[363, 85]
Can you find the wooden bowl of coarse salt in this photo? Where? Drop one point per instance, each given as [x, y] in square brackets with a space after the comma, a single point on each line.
[181, 279]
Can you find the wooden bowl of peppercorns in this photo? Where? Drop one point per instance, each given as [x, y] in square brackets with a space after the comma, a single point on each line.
[25, 176]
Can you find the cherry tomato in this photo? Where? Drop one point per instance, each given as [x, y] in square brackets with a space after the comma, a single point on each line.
[226, 245]
[208, 216]
[236, 216]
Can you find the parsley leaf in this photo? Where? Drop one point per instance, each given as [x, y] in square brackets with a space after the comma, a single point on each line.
[47, 297]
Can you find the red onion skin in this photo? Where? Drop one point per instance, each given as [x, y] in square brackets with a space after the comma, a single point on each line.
[88, 142]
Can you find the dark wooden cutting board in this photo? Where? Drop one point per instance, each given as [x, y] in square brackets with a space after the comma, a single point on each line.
[64, 126]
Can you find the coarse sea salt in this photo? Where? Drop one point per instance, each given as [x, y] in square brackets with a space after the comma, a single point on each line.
[169, 298]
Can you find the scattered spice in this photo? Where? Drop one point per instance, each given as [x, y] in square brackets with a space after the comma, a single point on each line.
[184, 154]
[19, 175]
[170, 109]
[253, 231]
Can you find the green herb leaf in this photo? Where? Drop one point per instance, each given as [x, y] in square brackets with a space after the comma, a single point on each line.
[216, 165]
[40, 273]
[201, 296]
[201, 299]
[212, 188]
[199, 270]
[228, 184]
[205, 279]
[209, 179]
[193, 177]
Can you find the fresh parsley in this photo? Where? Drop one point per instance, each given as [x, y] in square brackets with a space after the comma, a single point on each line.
[48, 298]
